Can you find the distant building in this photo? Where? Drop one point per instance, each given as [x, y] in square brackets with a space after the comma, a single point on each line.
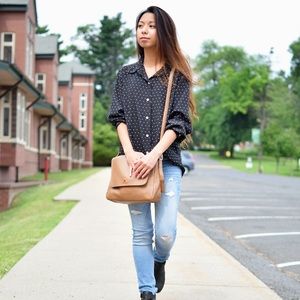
[46, 109]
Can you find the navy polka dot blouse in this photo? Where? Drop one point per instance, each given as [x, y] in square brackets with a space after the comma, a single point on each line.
[139, 101]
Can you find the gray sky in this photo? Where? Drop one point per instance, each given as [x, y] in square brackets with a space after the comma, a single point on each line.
[255, 25]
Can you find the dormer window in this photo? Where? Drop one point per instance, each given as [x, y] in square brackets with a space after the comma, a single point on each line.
[7, 50]
[40, 82]
[60, 103]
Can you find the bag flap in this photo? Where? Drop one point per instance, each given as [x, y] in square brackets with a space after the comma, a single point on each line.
[120, 173]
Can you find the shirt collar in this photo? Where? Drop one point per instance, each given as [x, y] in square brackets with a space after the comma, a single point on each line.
[140, 69]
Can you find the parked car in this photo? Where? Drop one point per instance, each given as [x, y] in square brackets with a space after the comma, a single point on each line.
[187, 161]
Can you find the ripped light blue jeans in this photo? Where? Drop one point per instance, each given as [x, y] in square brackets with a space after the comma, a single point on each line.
[163, 233]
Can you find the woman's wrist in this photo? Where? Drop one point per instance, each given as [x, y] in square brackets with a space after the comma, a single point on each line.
[128, 150]
[157, 152]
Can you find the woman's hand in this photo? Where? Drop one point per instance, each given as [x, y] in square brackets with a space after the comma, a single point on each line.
[145, 164]
[133, 157]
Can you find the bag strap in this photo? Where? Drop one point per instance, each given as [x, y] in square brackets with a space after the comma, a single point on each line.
[167, 103]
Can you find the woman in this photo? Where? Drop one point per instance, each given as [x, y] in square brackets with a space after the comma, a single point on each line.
[136, 111]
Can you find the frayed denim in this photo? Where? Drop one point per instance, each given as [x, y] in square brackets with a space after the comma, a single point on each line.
[163, 232]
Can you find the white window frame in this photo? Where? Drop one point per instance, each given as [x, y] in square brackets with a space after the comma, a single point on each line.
[20, 122]
[60, 103]
[44, 130]
[4, 105]
[53, 135]
[83, 99]
[83, 111]
[82, 118]
[11, 44]
[40, 81]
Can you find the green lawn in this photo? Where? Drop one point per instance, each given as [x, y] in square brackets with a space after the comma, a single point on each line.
[287, 167]
[34, 214]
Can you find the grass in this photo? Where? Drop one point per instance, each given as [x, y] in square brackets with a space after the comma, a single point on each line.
[34, 214]
[287, 167]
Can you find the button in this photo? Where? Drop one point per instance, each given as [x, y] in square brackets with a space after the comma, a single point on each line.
[147, 99]
[149, 82]
[147, 135]
[147, 118]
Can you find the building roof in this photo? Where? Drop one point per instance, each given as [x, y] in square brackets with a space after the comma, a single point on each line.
[13, 2]
[10, 75]
[66, 70]
[17, 5]
[45, 45]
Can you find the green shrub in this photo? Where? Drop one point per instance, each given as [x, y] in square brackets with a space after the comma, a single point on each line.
[106, 144]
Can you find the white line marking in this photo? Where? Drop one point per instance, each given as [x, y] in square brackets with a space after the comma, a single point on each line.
[229, 194]
[253, 235]
[288, 264]
[251, 218]
[223, 198]
[238, 207]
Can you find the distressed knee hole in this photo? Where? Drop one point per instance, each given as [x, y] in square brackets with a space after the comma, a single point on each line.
[166, 240]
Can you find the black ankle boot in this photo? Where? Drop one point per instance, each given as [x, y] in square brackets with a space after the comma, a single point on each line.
[159, 274]
[147, 296]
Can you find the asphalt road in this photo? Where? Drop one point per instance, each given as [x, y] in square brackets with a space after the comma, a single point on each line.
[255, 217]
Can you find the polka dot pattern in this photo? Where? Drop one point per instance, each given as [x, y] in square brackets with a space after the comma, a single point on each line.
[139, 101]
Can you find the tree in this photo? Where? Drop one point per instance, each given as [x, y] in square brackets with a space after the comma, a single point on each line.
[107, 47]
[226, 102]
[294, 48]
[105, 144]
[294, 78]
[281, 138]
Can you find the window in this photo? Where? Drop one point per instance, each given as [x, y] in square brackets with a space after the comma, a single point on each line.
[75, 153]
[27, 127]
[40, 81]
[82, 121]
[82, 111]
[7, 51]
[5, 116]
[83, 101]
[82, 153]
[60, 104]
[21, 105]
[29, 58]
[44, 138]
[64, 148]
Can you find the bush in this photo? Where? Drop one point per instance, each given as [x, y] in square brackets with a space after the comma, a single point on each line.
[106, 144]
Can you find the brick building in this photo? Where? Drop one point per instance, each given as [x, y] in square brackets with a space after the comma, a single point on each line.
[46, 109]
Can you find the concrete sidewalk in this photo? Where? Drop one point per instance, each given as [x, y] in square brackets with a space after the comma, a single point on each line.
[88, 257]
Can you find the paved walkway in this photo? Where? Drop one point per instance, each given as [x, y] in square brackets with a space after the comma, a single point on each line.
[88, 257]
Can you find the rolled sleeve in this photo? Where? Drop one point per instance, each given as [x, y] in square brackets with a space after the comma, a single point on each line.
[179, 120]
[116, 113]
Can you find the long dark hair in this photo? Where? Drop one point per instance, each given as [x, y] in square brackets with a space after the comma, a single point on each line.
[168, 48]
